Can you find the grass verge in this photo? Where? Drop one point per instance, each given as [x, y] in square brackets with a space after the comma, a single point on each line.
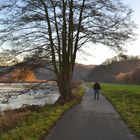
[126, 100]
[38, 123]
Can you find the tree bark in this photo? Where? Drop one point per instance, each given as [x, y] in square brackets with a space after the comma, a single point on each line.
[64, 87]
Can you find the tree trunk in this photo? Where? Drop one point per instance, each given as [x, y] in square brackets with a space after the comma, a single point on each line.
[64, 86]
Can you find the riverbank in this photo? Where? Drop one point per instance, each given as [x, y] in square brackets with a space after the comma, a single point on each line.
[34, 122]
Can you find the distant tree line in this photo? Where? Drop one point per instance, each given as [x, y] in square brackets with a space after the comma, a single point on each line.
[132, 77]
[120, 57]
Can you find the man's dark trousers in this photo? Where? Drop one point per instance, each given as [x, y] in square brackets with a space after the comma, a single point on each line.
[96, 94]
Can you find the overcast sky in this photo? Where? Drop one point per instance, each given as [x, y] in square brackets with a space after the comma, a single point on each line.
[100, 53]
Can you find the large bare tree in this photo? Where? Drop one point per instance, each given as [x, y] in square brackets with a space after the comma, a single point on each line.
[59, 28]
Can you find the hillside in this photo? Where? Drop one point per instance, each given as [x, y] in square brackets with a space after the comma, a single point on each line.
[122, 72]
[82, 71]
[32, 73]
[108, 73]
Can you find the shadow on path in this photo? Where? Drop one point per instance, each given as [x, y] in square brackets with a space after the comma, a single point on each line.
[91, 120]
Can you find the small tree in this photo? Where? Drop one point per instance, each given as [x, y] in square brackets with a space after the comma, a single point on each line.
[61, 27]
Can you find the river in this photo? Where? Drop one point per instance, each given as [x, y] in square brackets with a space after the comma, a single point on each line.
[17, 95]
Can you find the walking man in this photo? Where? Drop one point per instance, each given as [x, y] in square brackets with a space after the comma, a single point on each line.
[96, 88]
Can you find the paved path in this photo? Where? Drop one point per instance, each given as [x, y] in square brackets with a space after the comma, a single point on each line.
[91, 120]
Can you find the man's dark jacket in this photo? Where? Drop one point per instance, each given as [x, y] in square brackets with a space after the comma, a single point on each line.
[96, 86]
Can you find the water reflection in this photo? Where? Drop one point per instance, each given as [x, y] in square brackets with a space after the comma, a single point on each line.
[16, 95]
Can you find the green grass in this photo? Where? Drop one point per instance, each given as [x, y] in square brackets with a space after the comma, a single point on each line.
[39, 123]
[126, 100]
